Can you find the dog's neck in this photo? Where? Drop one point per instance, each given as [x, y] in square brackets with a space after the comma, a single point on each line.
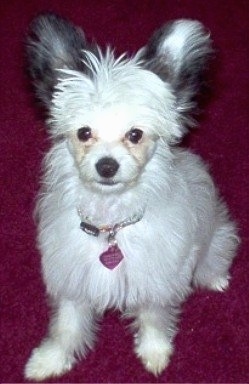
[110, 209]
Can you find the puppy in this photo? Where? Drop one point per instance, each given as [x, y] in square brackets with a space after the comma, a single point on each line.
[126, 219]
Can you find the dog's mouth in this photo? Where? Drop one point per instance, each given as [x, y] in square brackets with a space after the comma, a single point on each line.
[104, 184]
[108, 182]
[114, 184]
[108, 185]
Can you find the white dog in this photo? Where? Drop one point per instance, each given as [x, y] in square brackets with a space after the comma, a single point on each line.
[126, 219]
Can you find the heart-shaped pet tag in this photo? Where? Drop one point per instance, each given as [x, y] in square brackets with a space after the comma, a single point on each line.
[111, 257]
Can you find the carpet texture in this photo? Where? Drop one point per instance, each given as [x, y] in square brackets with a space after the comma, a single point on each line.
[213, 341]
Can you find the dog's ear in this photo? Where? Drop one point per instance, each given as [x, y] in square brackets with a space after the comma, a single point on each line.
[53, 43]
[178, 53]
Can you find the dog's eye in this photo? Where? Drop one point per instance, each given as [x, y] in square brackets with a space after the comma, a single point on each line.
[134, 135]
[84, 133]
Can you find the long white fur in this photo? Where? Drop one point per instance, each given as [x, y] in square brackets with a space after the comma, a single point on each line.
[185, 235]
[84, 98]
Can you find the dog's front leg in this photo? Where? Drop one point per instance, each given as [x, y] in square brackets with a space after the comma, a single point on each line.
[71, 333]
[153, 341]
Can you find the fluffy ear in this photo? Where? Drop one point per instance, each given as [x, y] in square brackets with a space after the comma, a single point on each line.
[178, 53]
[53, 43]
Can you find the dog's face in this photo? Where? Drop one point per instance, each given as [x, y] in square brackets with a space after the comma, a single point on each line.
[111, 148]
[113, 112]
[112, 121]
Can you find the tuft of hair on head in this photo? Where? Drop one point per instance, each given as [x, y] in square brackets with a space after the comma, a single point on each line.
[179, 54]
[53, 44]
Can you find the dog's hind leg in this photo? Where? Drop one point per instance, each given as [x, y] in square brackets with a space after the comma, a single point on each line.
[71, 333]
[212, 270]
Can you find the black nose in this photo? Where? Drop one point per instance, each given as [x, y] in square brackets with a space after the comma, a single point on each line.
[107, 167]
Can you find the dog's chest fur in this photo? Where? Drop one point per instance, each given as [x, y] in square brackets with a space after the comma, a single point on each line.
[149, 271]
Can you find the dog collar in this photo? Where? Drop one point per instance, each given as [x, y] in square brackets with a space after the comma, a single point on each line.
[112, 230]
[113, 255]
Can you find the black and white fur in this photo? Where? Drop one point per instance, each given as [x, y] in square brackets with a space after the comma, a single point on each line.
[133, 110]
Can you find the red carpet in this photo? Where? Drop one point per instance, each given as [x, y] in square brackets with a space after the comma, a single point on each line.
[213, 341]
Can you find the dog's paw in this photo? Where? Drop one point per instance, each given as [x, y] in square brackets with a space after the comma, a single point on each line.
[154, 353]
[220, 284]
[48, 360]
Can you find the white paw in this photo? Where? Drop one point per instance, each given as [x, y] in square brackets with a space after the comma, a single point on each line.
[220, 284]
[47, 360]
[154, 353]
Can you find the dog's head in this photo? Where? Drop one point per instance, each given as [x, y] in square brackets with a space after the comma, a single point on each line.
[113, 112]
